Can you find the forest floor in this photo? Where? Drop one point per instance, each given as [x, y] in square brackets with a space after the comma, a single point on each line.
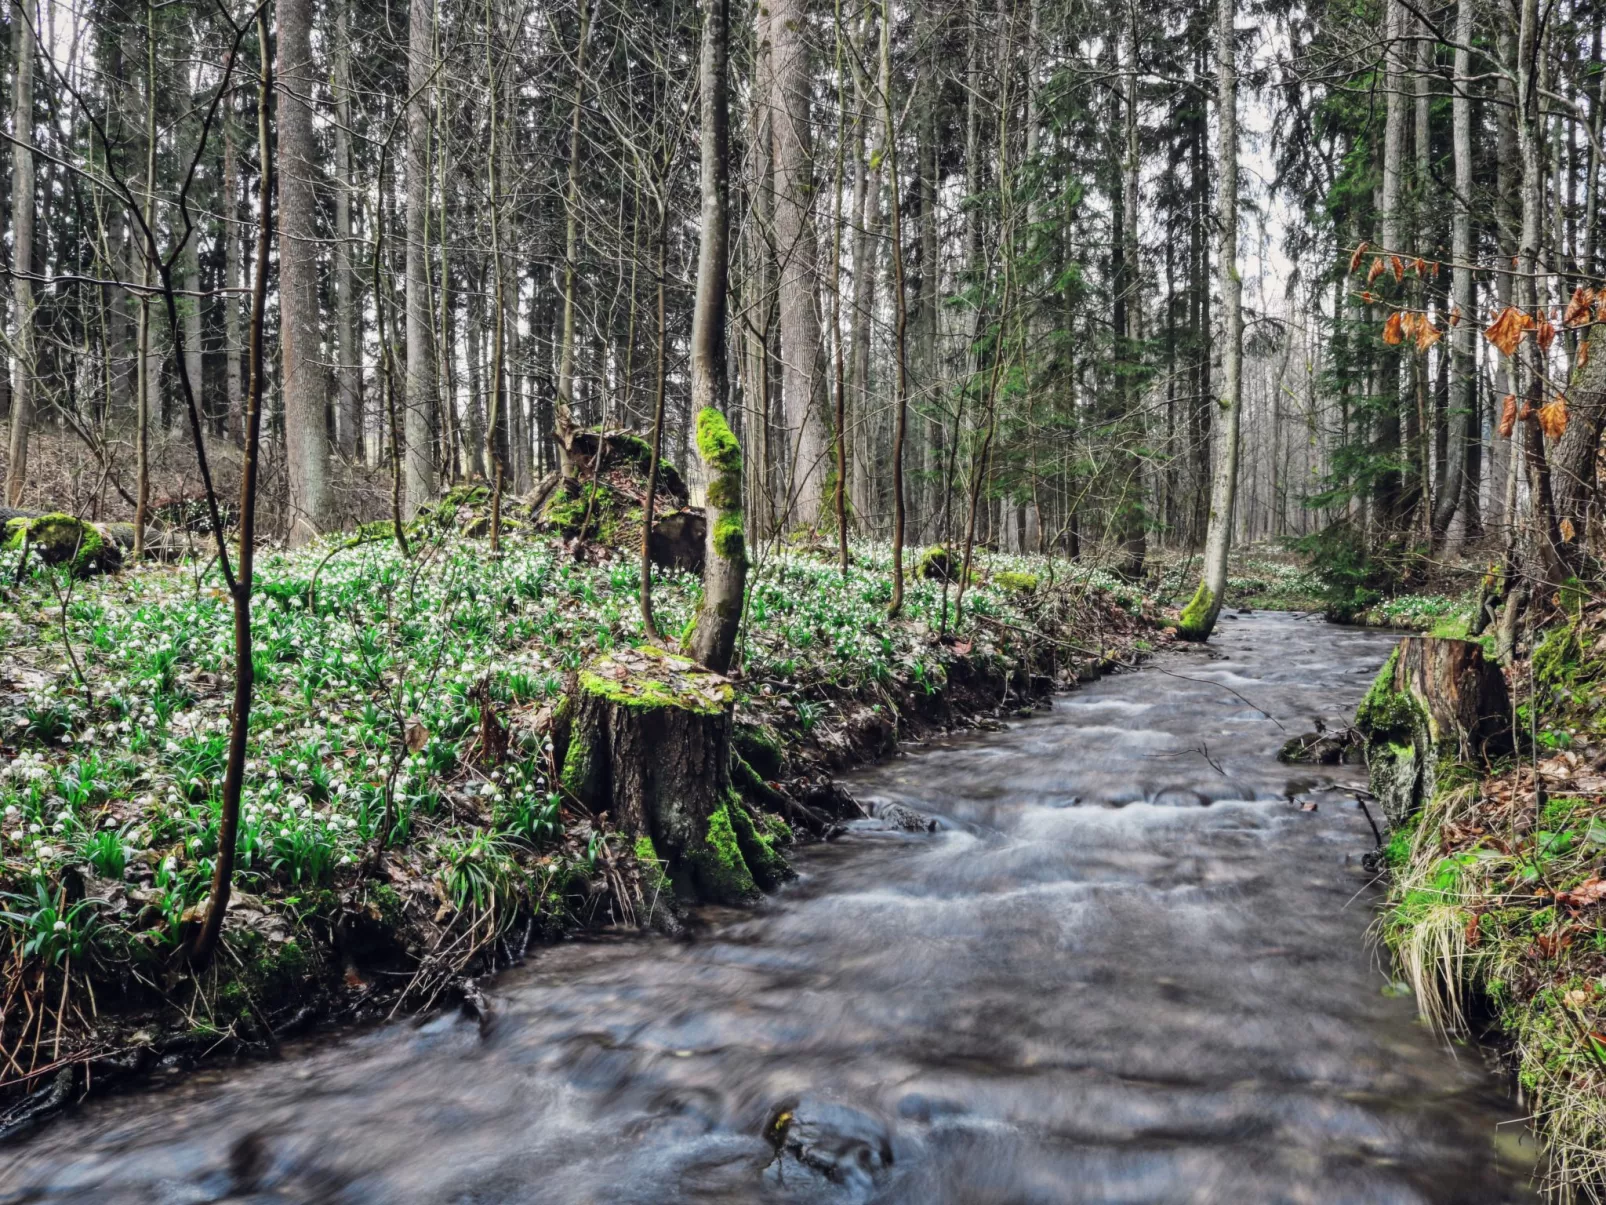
[1495, 910]
[428, 681]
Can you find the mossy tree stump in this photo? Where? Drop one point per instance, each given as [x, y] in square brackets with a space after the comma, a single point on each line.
[649, 742]
[1434, 701]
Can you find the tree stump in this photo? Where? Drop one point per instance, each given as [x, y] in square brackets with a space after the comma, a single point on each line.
[649, 742]
[1434, 700]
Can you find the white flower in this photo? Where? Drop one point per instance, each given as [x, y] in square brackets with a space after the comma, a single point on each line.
[170, 864]
[60, 926]
[46, 853]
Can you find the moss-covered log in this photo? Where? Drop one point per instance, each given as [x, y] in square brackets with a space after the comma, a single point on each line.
[650, 744]
[62, 539]
[1433, 701]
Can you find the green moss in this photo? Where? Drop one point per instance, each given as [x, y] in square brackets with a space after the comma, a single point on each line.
[566, 510]
[1559, 656]
[1199, 616]
[759, 747]
[648, 690]
[716, 443]
[720, 871]
[63, 539]
[729, 539]
[1020, 583]
[724, 492]
[579, 767]
[937, 564]
[653, 875]
[392, 910]
[765, 863]
[780, 832]
[1386, 712]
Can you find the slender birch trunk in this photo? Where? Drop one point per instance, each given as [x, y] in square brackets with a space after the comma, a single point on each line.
[1199, 618]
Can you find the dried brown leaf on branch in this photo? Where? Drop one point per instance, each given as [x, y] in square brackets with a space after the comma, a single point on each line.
[1355, 260]
[1455, 317]
[1426, 333]
[1568, 531]
[1393, 329]
[1508, 416]
[1420, 266]
[1544, 334]
[1508, 328]
[1553, 417]
[1583, 353]
[1368, 297]
[1398, 267]
[1579, 306]
[1375, 270]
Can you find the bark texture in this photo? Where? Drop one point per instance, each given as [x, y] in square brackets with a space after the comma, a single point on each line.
[650, 743]
[304, 385]
[1434, 700]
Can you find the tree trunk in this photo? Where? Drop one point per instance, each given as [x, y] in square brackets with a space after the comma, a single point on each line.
[1387, 492]
[1463, 349]
[796, 252]
[22, 207]
[303, 385]
[233, 280]
[1574, 465]
[1199, 617]
[1434, 700]
[348, 374]
[713, 642]
[418, 394]
[900, 306]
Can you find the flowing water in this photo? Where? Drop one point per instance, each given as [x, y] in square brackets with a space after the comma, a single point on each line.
[1127, 968]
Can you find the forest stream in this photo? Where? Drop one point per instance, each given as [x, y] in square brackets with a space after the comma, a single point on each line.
[1129, 966]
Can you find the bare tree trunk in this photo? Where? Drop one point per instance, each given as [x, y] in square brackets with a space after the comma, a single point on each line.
[1199, 618]
[348, 375]
[418, 394]
[713, 643]
[866, 254]
[148, 372]
[1387, 493]
[303, 385]
[22, 203]
[240, 579]
[233, 280]
[1463, 351]
[1133, 519]
[900, 304]
[758, 297]
[796, 252]
[1546, 535]
[571, 253]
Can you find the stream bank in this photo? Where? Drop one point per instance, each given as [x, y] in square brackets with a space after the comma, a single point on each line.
[428, 683]
[1128, 964]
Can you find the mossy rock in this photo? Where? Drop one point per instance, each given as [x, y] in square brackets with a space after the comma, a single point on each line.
[1016, 583]
[650, 745]
[938, 564]
[62, 539]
